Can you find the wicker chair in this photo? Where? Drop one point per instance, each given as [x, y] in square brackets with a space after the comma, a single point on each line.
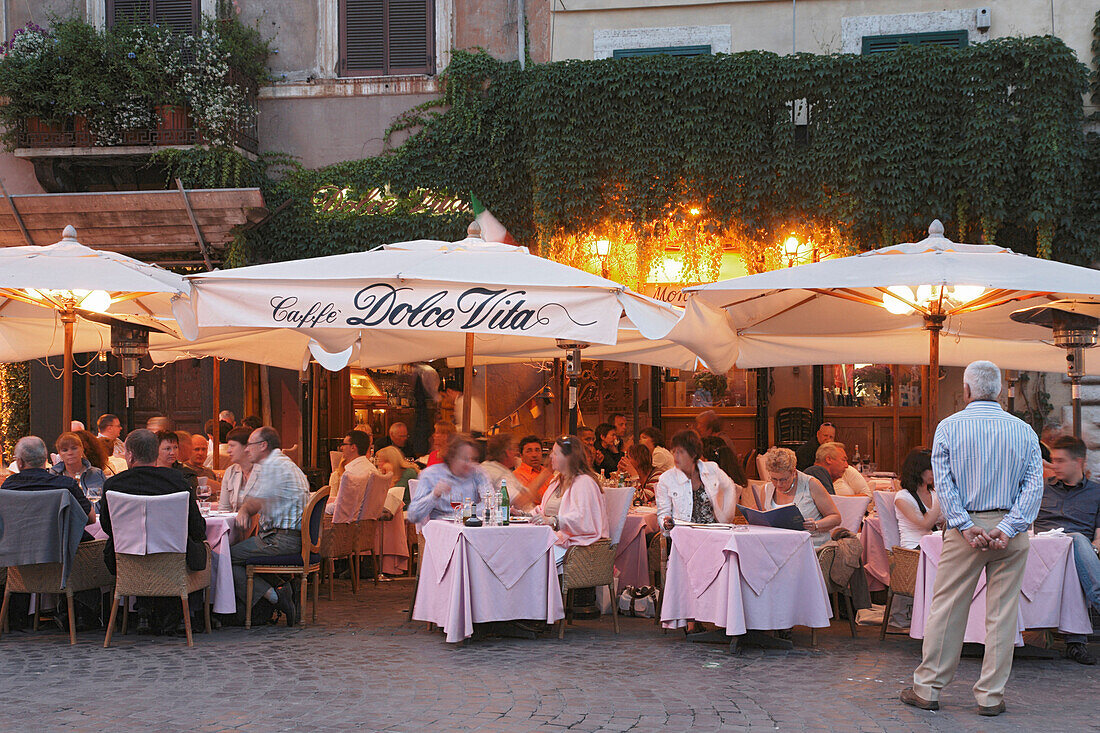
[338, 540]
[419, 569]
[87, 573]
[369, 526]
[903, 580]
[161, 575]
[588, 566]
[658, 570]
[308, 563]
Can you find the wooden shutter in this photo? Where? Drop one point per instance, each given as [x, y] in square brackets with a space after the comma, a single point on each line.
[882, 44]
[362, 37]
[181, 16]
[128, 11]
[386, 37]
[621, 53]
[409, 23]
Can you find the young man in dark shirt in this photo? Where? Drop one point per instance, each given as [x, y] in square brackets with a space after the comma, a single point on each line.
[1072, 502]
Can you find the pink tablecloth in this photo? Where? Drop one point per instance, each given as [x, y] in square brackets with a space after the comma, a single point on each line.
[632, 555]
[758, 578]
[1051, 596]
[477, 574]
[218, 531]
[875, 562]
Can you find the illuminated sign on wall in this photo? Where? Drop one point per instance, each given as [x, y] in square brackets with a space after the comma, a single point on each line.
[337, 200]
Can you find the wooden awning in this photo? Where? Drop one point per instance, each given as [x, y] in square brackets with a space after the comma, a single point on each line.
[181, 227]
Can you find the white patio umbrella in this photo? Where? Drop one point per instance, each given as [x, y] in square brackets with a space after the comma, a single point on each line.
[419, 300]
[933, 301]
[50, 295]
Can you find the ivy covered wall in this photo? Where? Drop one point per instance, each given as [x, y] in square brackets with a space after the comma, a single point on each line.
[702, 153]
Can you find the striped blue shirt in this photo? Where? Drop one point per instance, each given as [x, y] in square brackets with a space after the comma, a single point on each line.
[985, 459]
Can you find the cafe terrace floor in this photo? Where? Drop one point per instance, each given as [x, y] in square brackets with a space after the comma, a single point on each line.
[364, 667]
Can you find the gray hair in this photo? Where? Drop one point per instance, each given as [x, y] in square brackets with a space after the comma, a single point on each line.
[780, 460]
[827, 450]
[227, 415]
[31, 451]
[143, 446]
[984, 380]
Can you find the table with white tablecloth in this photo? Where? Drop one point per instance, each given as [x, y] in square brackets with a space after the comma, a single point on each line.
[1050, 597]
[749, 578]
[474, 575]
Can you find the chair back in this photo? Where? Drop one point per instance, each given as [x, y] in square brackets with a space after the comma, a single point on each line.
[312, 523]
[762, 470]
[146, 525]
[757, 488]
[884, 505]
[29, 529]
[349, 497]
[617, 501]
[749, 463]
[793, 426]
[903, 570]
[412, 488]
[334, 458]
[852, 509]
[374, 497]
[588, 566]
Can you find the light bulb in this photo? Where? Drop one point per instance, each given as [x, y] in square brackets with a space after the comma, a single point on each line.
[97, 300]
[34, 294]
[967, 293]
[899, 305]
[790, 247]
[603, 246]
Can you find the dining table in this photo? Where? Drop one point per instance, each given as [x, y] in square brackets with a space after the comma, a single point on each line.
[220, 529]
[474, 575]
[1050, 597]
[748, 577]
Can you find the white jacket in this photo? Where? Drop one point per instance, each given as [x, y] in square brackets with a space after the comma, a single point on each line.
[674, 497]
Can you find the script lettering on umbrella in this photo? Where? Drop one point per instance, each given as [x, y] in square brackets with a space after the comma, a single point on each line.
[380, 304]
[503, 310]
[284, 310]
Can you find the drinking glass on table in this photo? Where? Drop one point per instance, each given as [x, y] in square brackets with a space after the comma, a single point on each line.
[456, 508]
[93, 494]
[203, 491]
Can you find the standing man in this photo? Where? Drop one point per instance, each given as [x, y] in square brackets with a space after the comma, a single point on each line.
[807, 452]
[989, 477]
[279, 498]
[110, 427]
[1071, 502]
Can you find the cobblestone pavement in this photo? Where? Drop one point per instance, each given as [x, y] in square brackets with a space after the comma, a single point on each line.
[364, 667]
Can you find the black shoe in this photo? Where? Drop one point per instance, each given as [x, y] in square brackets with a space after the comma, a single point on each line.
[285, 603]
[1079, 653]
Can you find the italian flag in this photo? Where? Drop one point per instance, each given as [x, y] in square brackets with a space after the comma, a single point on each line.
[491, 228]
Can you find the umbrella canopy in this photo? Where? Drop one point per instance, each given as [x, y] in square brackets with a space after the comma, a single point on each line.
[416, 301]
[882, 305]
[50, 295]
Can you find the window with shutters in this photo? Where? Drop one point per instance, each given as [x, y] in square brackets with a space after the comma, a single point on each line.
[620, 53]
[386, 37]
[179, 15]
[882, 44]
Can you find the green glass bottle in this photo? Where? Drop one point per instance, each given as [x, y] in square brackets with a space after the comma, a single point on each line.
[504, 503]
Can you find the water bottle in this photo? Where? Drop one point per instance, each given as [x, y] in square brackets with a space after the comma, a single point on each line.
[488, 499]
[857, 460]
[504, 505]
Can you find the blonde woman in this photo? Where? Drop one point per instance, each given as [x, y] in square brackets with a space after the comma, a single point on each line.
[573, 504]
[788, 485]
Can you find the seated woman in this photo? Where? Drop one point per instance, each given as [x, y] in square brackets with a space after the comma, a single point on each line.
[115, 464]
[443, 432]
[70, 448]
[654, 439]
[573, 504]
[788, 485]
[694, 489]
[391, 460]
[638, 463]
[240, 477]
[717, 450]
[916, 505]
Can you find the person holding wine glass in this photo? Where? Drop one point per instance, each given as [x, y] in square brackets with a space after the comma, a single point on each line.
[446, 485]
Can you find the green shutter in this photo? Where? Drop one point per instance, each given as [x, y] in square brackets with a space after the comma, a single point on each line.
[620, 53]
[882, 44]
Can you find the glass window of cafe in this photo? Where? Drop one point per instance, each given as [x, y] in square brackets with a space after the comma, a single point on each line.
[735, 388]
[872, 385]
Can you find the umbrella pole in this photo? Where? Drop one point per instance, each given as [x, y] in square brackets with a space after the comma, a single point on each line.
[68, 319]
[216, 437]
[1075, 385]
[468, 383]
[934, 324]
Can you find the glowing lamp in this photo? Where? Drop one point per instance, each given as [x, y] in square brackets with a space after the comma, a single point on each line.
[898, 303]
[603, 247]
[97, 300]
[967, 293]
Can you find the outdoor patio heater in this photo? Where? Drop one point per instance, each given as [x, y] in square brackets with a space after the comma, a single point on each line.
[1074, 330]
[572, 372]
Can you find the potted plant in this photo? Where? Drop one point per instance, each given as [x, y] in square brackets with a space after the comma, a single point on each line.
[31, 80]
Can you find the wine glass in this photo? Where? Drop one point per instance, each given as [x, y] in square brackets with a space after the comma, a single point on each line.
[456, 508]
[203, 490]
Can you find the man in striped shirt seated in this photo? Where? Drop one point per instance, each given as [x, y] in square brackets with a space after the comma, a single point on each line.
[989, 478]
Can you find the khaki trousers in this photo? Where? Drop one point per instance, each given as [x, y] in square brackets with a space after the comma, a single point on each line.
[956, 578]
